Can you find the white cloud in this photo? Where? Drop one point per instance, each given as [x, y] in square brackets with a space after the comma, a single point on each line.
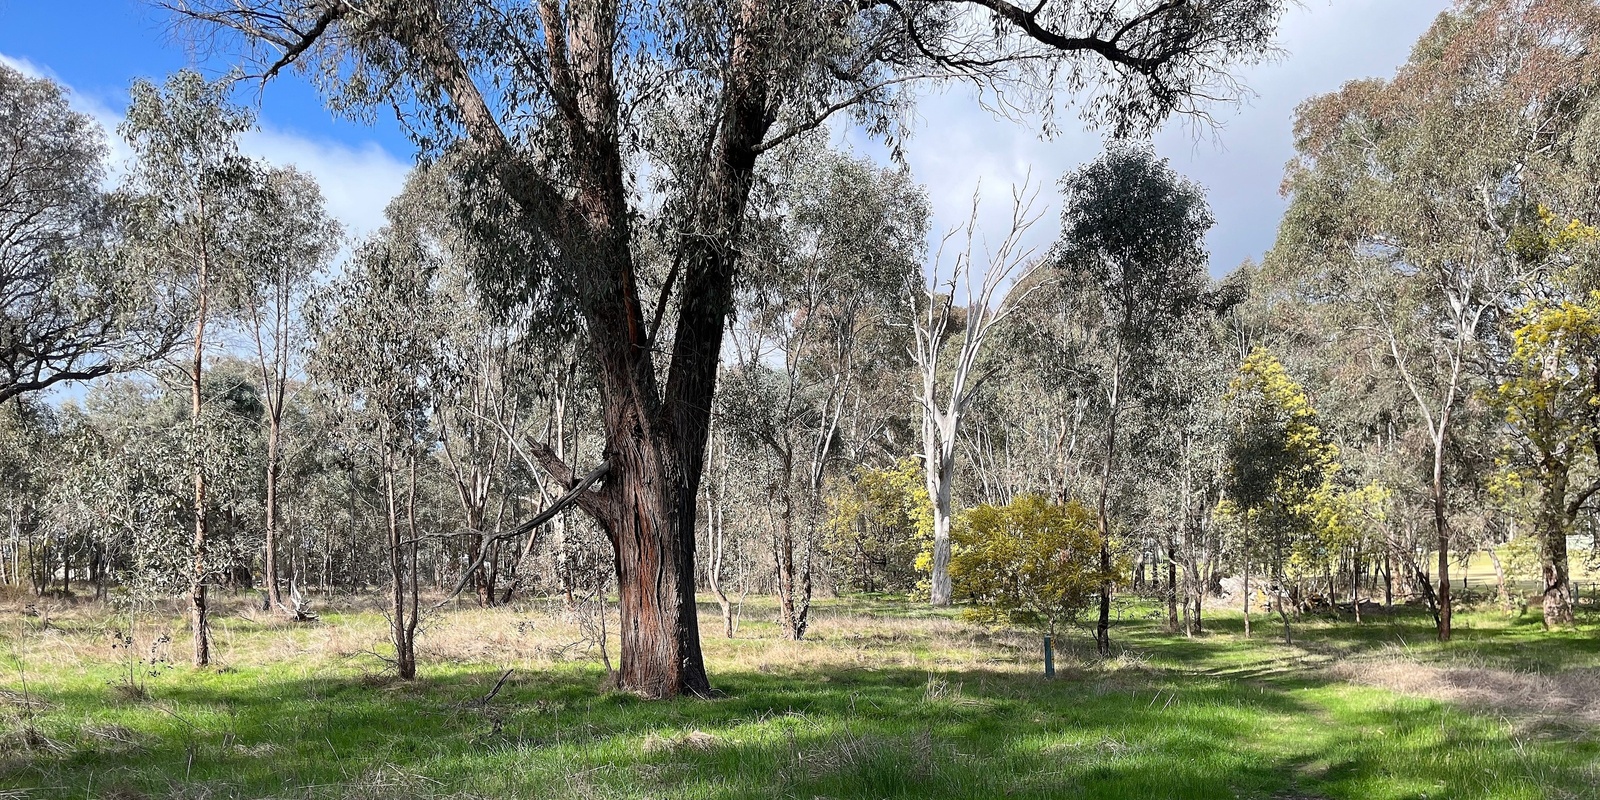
[957, 144]
[358, 181]
[25, 67]
[959, 148]
[1329, 44]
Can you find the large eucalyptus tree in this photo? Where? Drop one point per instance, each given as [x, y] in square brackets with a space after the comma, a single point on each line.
[192, 209]
[1133, 251]
[66, 311]
[556, 108]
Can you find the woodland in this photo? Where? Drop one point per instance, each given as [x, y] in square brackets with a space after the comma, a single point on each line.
[658, 445]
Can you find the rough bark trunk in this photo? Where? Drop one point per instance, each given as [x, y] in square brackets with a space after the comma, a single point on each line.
[1553, 525]
[1557, 581]
[783, 557]
[1388, 582]
[1102, 629]
[653, 535]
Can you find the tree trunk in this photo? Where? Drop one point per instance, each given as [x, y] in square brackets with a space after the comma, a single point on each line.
[1428, 595]
[1388, 582]
[564, 563]
[1247, 584]
[804, 615]
[491, 575]
[783, 557]
[1172, 583]
[1102, 631]
[270, 565]
[482, 574]
[1557, 582]
[199, 613]
[942, 593]
[1278, 594]
[718, 553]
[6, 578]
[653, 535]
[408, 666]
[101, 572]
[400, 632]
[1355, 582]
[647, 507]
[1442, 530]
[1501, 594]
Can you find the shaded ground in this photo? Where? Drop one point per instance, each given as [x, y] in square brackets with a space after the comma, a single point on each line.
[888, 701]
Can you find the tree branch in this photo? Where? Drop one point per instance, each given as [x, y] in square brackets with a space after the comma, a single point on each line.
[1028, 23]
[574, 495]
[816, 121]
[307, 40]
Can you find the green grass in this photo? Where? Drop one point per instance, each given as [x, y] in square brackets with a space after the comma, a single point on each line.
[888, 701]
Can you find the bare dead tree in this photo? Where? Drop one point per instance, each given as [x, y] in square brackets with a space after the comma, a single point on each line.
[935, 318]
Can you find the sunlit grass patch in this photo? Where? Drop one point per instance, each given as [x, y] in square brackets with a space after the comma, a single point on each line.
[886, 700]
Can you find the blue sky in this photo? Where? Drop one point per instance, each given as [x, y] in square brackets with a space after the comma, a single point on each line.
[97, 47]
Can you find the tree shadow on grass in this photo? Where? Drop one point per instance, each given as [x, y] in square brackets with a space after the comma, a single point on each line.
[838, 733]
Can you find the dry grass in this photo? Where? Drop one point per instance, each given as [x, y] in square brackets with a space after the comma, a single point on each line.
[693, 740]
[150, 639]
[113, 737]
[883, 699]
[1570, 695]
